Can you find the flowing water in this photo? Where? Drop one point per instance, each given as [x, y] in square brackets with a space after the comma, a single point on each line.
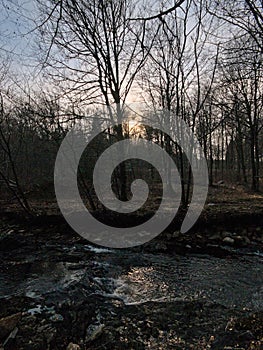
[136, 278]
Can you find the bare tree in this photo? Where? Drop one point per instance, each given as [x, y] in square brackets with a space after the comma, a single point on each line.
[245, 15]
[173, 78]
[244, 84]
[100, 50]
[8, 168]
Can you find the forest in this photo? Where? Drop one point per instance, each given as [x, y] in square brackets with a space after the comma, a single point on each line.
[144, 118]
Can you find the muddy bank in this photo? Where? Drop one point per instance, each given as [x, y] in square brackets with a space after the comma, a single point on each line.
[215, 220]
[214, 234]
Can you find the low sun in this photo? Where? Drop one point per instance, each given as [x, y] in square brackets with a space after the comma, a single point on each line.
[134, 126]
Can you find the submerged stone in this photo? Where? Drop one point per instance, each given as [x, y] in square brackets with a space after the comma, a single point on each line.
[228, 241]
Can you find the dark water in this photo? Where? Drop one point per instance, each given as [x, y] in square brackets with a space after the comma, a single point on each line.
[135, 278]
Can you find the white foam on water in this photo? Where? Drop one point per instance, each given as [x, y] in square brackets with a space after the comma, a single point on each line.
[39, 309]
[73, 276]
[32, 295]
[128, 293]
[98, 250]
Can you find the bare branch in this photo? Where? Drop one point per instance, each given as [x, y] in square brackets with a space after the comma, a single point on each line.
[160, 14]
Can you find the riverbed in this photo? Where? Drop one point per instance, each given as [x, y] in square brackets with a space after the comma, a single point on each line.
[67, 292]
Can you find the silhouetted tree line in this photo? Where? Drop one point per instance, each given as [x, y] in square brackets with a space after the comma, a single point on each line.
[199, 60]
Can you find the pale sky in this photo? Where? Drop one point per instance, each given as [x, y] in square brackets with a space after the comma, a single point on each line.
[15, 26]
[18, 38]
